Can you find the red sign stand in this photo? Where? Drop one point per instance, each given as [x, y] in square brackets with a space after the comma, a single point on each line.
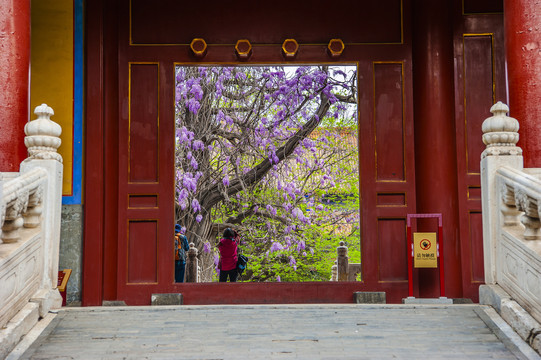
[439, 254]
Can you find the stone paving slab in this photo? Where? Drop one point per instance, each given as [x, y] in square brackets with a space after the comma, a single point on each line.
[273, 332]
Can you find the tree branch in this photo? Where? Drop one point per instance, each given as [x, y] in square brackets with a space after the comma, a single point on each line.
[214, 196]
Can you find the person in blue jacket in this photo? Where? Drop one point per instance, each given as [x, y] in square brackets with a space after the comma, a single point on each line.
[181, 247]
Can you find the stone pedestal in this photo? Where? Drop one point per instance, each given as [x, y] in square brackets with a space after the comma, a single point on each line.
[367, 297]
[166, 299]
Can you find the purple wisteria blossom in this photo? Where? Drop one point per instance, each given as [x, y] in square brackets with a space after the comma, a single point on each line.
[189, 182]
[271, 210]
[198, 145]
[276, 246]
[193, 105]
[206, 247]
[293, 262]
[196, 91]
[195, 206]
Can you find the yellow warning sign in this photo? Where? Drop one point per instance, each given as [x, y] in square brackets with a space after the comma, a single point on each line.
[425, 250]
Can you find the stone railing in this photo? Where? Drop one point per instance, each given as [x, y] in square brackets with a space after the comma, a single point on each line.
[342, 270]
[30, 211]
[511, 197]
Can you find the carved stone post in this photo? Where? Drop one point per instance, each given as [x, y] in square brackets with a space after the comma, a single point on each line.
[192, 264]
[32, 216]
[500, 135]
[334, 272]
[353, 271]
[508, 206]
[14, 220]
[530, 219]
[42, 140]
[342, 261]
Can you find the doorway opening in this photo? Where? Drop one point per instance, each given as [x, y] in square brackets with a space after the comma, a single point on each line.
[271, 152]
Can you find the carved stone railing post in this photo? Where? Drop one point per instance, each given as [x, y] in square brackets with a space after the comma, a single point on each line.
[343, 270]
[192, 264]
[508, 206]
[353, 271]
[334, 272]
[32, 216]
[342, 261]
[42, 140]
[13, 219]
[530, 219]
[500, 135]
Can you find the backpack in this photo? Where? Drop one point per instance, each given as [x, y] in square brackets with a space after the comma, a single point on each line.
[180, 253]
[242, 262]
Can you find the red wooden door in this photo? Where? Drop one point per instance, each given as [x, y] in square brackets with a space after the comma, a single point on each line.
[387, 175]
[480, 83]
[145, 183]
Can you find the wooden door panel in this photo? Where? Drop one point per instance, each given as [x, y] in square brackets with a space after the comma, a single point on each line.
[388, 199]
[389, 121]
[479, 83]
[142, 201]
[143, 123]
[392, 242]
[479, 94]
[144, 185]
[142, 252]
[387, 176]
[476, 247]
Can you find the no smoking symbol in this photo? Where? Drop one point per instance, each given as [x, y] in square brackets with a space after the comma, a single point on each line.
[425, 244]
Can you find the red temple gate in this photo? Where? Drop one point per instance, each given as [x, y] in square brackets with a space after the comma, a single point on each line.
[411, 160]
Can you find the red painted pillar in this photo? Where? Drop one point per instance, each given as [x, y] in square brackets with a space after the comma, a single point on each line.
[14, 81]
[435, 146]
[523, 53]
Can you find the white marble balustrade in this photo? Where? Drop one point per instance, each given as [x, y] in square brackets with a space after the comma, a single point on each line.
[30, 214]
[511, 197]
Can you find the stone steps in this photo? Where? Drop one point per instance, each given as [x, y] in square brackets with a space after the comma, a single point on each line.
[276, 332]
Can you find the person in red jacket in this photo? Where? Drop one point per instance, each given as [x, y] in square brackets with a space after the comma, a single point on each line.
[228, 256]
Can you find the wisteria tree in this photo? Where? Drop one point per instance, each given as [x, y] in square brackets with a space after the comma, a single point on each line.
[257, 149]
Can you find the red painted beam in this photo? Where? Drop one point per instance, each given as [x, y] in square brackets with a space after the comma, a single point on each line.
[523, 52]
[14, 81]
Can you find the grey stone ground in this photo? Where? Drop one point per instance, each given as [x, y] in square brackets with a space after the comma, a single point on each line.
[275, 332]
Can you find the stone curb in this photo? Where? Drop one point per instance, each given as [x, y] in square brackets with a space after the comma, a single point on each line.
[506, 334]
